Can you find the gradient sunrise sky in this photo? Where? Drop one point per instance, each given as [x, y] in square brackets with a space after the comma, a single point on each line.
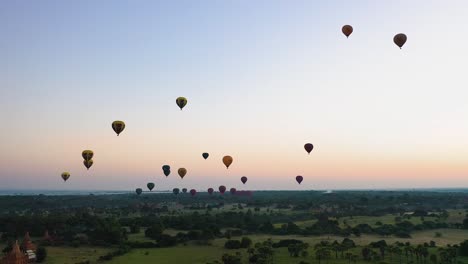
[262, 78]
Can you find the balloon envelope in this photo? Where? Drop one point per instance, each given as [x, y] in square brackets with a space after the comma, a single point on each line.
[181, 102]
[175, 191]
[400, 39]
[167, 172]
[182, 172]
[299, 179]
[210, 191]
[227, 160]
[118, 126]
[87, 154]
[150, 186]
[184, 190]
[193, 192]
[65, 176]
[233, 190]
[88, 163]
[166, 167]
[308, 147]
[222, 189]
[205, 155]
[347, 30]
[244, 179]
[138, 191]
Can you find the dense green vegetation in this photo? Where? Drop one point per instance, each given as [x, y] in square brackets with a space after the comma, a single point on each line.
[267, 227]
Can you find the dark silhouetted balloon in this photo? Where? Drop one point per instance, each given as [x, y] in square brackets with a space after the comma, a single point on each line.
[65, 176]
[193, 192]
[233, 190]
[150, 186]
[210, 191]
[181, 102]
[205, 155]
[299, 179]
[87, 154]
[184, 190]
[138, 191]
[400, 39]
[227, 160]
[243, 179]
[222, 189]
[347, 30]
[167, 172]
[166, 167]
[175, 191]
[118, 126]
[182, 172]
[308, 147]
[88, 163]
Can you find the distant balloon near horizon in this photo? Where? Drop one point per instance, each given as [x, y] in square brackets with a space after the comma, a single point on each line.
[65, 176]
[400, 40]
[233, 190]
[150, 186]
[118, 127]
[88, 163]
[193, 192]
[222, 189]
[138, 191]
[205, 155]
[347, 30]
[182, 172]
[210, 191]
[181, 102]
[175, 191]
[309, 147]
[299, 179]
[227, 160]
[184, 190]
[87, 154]
[243, 179]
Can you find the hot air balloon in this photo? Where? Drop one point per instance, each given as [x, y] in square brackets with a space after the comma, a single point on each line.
[150, 186]
[181, 102]
[308, 147]
[167, 172]
[166, 167]
[227, 160]
[244, 179]
[299, 179]
[184, 190]
[222, 189]
[400, 39]
[87, 154]
[138, 191]
[210, 191]
[182, 172]
[347, 30]
[193, 192]
[233, 190]
[88, 163]
[118, 126]
[65, 176]
[205, 155]
[175, 191]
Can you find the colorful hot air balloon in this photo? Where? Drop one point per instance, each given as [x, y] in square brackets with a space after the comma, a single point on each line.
[308, 147]
[184, 190]
[193, 192]
[182, 172]
[150, 186]
[138, 191]
[181, 102]
[244, 179]
[167, 172]
[87, 154]
[400, 39]
[205, 155]
[88, 163]
[65, 176]
[222, 189]
[227, 160]
[347, 30]
[233, 190]
[118, 126]
[299, 179]
[175, 191]
[210, 191]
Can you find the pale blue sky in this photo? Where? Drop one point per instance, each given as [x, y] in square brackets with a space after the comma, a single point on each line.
[262, 79]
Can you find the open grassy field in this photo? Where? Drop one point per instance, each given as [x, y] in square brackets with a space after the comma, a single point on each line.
[70, 255]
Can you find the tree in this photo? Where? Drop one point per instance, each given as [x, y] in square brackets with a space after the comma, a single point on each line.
[245, 242]
[463, 249]
[232, 244]
[231, 259]
[154, 231]
[41, 254]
